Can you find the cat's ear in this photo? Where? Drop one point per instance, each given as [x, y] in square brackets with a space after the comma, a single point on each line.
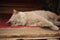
[15, 11]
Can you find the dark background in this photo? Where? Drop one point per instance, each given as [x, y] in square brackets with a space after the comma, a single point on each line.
[7, 6]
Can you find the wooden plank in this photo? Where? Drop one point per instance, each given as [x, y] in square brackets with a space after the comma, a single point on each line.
[53, 39]
[28, 33]
[20, 8]
[6, 6]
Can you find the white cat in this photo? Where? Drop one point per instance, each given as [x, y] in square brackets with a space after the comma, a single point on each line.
[34, 18]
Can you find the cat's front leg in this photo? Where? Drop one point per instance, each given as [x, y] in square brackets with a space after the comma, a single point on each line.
[52, 26]
[48, 23]
[32, 24]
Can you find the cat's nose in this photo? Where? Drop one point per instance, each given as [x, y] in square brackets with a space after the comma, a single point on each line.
[9, 23]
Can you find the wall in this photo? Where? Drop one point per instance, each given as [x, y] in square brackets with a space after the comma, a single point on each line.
[7, 6]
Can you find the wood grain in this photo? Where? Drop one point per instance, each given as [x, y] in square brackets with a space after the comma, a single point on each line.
[28, 33]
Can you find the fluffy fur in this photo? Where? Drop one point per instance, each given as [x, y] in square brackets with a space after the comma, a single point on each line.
[34, 18]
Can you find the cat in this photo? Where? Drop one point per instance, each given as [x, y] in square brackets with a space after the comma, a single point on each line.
[34, 18]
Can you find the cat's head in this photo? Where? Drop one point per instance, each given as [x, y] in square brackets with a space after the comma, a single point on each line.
[16, 18]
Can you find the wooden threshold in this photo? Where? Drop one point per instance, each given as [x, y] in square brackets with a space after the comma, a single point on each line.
[28, 33]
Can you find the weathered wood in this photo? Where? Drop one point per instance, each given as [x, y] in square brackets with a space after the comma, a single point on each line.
[28, 33]
[9, 9]
[27, 5]
[53, 39]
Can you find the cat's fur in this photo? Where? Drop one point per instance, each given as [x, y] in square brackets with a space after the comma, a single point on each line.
[34, 18]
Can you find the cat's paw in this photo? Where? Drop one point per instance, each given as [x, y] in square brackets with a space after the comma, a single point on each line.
[54, 28]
